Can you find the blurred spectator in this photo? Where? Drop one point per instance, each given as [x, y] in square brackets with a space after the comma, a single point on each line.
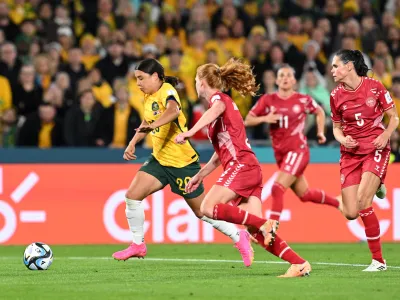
[115, 64]
[41, 129]
[74, 68]
[102, 91]
[10, 64]
[6, 24]
[89, 51]
[312, 83]
[43, 71]
[8, 126]
[82, 120]
[119, 121]
[27, 94]
[5, 94]
[47, 27]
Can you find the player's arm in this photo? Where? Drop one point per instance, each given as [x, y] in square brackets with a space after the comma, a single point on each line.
[139, 135]
[196, 180]
[208, 117]
[212, 164]
[381, 141]
[320, 119]
[170, 114]
[346, 141]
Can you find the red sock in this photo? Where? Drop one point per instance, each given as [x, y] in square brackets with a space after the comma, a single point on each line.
[372, 231]
[280, 249]
[319, 196]
[277, 192]
[234, 214]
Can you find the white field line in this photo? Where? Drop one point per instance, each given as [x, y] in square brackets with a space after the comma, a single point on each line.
[195, 260]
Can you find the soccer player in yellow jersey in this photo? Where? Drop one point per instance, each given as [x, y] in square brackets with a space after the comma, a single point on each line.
[170, 163]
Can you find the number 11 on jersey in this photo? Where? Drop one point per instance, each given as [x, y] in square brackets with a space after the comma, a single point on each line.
[284, 121]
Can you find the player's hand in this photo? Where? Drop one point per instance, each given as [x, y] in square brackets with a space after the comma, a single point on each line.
[146, 128]
[129, 153]
[349, 142]
[272, 118]
[321, 138]
[193, 183]
[381, 141]
[182, 137]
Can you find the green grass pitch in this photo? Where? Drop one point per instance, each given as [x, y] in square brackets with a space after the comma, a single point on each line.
[199, 272]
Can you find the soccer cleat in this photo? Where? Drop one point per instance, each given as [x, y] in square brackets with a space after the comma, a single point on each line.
[245, 249]
[376, 266]
[133, 250]
[299, 270]
[381, 192]
[268, 230]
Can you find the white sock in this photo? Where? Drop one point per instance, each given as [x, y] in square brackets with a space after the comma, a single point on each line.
[226, 228]
[135, 215]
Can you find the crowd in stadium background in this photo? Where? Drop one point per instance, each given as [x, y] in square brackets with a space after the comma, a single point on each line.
[67, 66]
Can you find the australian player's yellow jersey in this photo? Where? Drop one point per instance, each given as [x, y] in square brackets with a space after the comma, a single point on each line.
[165, 150]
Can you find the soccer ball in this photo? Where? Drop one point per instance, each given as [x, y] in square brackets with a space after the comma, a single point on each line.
[38, 256]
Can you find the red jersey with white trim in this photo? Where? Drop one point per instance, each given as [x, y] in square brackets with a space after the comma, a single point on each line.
[360, 112]
[228, 134]
[288, 133]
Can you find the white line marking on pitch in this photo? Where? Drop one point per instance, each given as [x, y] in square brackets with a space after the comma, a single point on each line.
[219, 261]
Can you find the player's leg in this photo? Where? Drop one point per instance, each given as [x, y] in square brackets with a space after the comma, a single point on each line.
[301, 189]
[178, 178]
[299, 266]
[349, 199]
[282, 182]
[366, 192]
[148, 180]
[240, 238]
[292, 165]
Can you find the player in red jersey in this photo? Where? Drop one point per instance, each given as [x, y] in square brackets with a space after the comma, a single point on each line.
[241, 182]
[286, 112]
[358, 104]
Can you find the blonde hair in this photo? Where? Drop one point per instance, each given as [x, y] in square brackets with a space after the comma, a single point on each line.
[233, 74]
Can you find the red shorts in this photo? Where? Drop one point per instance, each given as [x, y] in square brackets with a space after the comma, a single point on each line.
[293, 162]
[353, 166]
[244, 180]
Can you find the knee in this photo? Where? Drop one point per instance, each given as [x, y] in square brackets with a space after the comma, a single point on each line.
[305, 197]
[350, 215]
[198, 213]
[363, 199]
[205, 210]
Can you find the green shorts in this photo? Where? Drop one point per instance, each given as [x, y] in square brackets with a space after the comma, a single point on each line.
[177, 178]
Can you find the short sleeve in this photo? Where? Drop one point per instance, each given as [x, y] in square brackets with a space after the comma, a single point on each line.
[311, 107]
[171, 94]
[384, 98]
[335, 116]
[261, 108]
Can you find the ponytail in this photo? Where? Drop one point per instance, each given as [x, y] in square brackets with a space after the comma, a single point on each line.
[357, 58]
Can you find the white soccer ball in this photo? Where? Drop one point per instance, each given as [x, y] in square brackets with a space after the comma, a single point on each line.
[38, 256]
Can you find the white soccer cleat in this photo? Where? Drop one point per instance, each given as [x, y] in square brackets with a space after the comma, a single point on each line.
[376, 266]
[381, 192]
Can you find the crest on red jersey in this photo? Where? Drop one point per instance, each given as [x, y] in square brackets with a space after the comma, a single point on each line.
[370, 102]
[296, 108]
[342, 178]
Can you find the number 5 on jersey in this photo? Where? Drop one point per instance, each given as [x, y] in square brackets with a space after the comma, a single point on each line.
[360, 121]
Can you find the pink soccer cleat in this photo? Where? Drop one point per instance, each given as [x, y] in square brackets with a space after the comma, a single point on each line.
[134, 250]
[245, 249]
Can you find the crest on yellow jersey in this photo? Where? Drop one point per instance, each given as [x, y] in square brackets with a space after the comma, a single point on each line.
[154, 106]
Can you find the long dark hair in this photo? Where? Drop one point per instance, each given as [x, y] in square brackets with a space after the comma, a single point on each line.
[151, 66]
[357, 58]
